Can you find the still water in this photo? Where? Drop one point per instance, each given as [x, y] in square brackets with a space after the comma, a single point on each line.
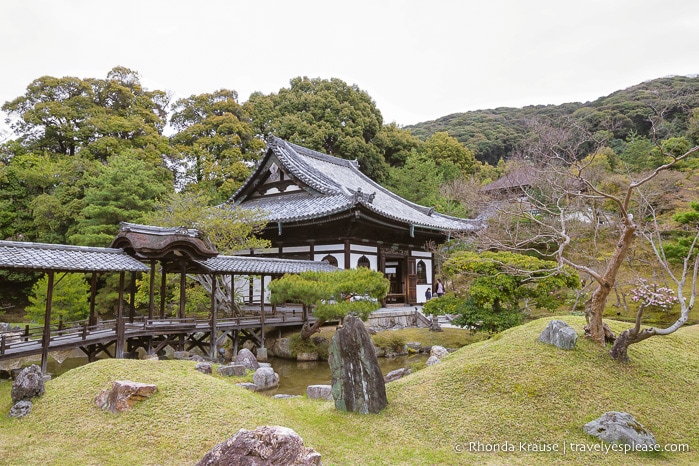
[294, 376]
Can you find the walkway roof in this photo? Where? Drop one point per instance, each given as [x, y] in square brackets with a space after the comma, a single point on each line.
[41, 257]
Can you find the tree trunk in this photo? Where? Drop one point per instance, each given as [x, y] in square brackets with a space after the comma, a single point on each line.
[597, 330]
[308, 330]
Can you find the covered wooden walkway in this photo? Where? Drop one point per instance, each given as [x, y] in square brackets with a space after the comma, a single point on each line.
[177, 250]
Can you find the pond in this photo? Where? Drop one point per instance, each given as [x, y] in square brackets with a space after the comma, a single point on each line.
[294, 376]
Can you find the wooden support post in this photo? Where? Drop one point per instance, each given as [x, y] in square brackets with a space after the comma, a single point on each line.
[235, 343]
[163, 283]
[262, 307]
[348, 256]
[183, 289]
[232, 295]
[151, 296]
[119, 350]
[46, 338]
[214, 311]
[93, 292]
[132, 298]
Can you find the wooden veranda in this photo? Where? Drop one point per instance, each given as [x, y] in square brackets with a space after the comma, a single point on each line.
[176, 250]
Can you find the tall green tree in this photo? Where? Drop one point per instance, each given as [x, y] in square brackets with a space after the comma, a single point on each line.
[69, 301]
[124, 190]
[329, 116]
[447, 152]
[216, 142]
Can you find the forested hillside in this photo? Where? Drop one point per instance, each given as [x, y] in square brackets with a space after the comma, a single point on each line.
[493, 134]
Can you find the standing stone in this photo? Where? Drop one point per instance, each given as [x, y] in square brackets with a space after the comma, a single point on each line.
[247, 359]
[264, 446]
[265, 378]
[619, 427]
[282, 348]
[559, 334]
[357, 382]
[28, 384]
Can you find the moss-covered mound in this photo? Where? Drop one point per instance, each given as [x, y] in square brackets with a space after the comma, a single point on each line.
[510, 392]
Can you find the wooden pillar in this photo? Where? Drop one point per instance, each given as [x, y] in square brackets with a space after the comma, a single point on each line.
[151, 296]
[119, 351]
[92, 320]
[311, 250]
[262, 308]
[163, 285]
[214, 311]
[347, 254]
[132, 297]
[183, 288]
[46, 339]
[232, 295]
[235, 343]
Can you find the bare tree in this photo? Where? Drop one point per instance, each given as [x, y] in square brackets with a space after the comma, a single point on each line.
[687, 275]
[567, 196]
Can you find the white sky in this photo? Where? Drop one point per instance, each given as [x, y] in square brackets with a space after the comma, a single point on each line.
[419, 60]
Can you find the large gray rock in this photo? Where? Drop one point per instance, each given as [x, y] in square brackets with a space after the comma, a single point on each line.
[204, 367]
[264, 446]
[282, 348]
[357, 382]
[559, 334]
[432, 360]
[232, 370]
[438, 351]
[123, 395]
[247, 359]
[620, 427]
[320, 392]
[397, 374]
[21, 409]
[265, 378]
[28, 384]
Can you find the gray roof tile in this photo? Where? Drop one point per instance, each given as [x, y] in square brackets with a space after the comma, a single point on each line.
[57, 257]
[263, 265]
[339, 186]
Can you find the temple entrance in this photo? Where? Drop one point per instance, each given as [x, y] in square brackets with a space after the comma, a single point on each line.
[401, 274]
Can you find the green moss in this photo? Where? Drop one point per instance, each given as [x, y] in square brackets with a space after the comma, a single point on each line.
[510, 389]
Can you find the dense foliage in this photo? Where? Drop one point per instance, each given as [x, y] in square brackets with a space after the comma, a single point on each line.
[333, 295]
[499, 287]
[625, 115]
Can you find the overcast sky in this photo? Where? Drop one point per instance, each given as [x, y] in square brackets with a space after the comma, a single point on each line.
[419, 60]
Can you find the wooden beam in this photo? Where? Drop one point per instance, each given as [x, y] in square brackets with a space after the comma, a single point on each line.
[119, 351]
[92, 320]
[151, 296]
[214, 316]
[163, 285]
[46, 339]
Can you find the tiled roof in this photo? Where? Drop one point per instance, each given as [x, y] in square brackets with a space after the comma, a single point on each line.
[263, 265]
[338, 186]
[57, 257]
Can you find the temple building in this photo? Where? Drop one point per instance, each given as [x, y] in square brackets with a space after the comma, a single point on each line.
[322, 208]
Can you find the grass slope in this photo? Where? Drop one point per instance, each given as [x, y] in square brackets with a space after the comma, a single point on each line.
[507, 389]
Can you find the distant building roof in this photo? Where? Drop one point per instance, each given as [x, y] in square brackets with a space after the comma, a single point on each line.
[331, 185]
[520, 177]
[42, 257]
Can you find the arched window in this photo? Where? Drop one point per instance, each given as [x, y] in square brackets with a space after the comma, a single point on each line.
[364, 262]
[330, 260]
[421, 273]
